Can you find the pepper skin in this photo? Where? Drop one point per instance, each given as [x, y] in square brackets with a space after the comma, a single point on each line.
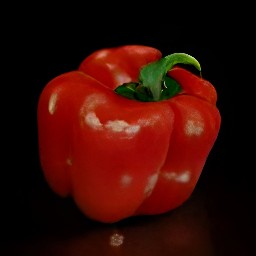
[119, 157]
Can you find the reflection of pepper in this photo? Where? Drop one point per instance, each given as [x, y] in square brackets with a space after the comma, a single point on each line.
[123, 156]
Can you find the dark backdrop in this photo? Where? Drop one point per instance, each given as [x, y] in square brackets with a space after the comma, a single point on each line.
[38, 48]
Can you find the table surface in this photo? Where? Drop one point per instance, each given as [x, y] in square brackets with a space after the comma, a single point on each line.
[216, 220]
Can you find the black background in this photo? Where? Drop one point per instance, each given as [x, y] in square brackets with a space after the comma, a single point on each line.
[40, 45]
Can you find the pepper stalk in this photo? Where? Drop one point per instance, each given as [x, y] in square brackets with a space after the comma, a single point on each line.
[154, 84]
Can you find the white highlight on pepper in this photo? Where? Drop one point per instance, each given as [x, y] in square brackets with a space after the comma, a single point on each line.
[52, 103]
[126, 180]
[122, 126]
[183, 177]
[194, 127]
[93, 121]
[151, 184]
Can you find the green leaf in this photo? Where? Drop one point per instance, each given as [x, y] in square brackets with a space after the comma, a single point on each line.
[143, 94]
[127, 90]
[170, 88]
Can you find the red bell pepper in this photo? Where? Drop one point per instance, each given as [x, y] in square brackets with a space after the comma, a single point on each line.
[128, 133]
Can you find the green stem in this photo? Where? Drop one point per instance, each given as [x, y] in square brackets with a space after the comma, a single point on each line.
[154, 84]
[153, 74]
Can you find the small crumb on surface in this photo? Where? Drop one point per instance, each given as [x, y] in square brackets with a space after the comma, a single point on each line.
[116, 240]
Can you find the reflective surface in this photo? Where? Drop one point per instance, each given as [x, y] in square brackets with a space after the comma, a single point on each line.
[209, 223]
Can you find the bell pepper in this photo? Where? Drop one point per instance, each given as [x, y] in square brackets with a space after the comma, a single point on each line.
[128, 133]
